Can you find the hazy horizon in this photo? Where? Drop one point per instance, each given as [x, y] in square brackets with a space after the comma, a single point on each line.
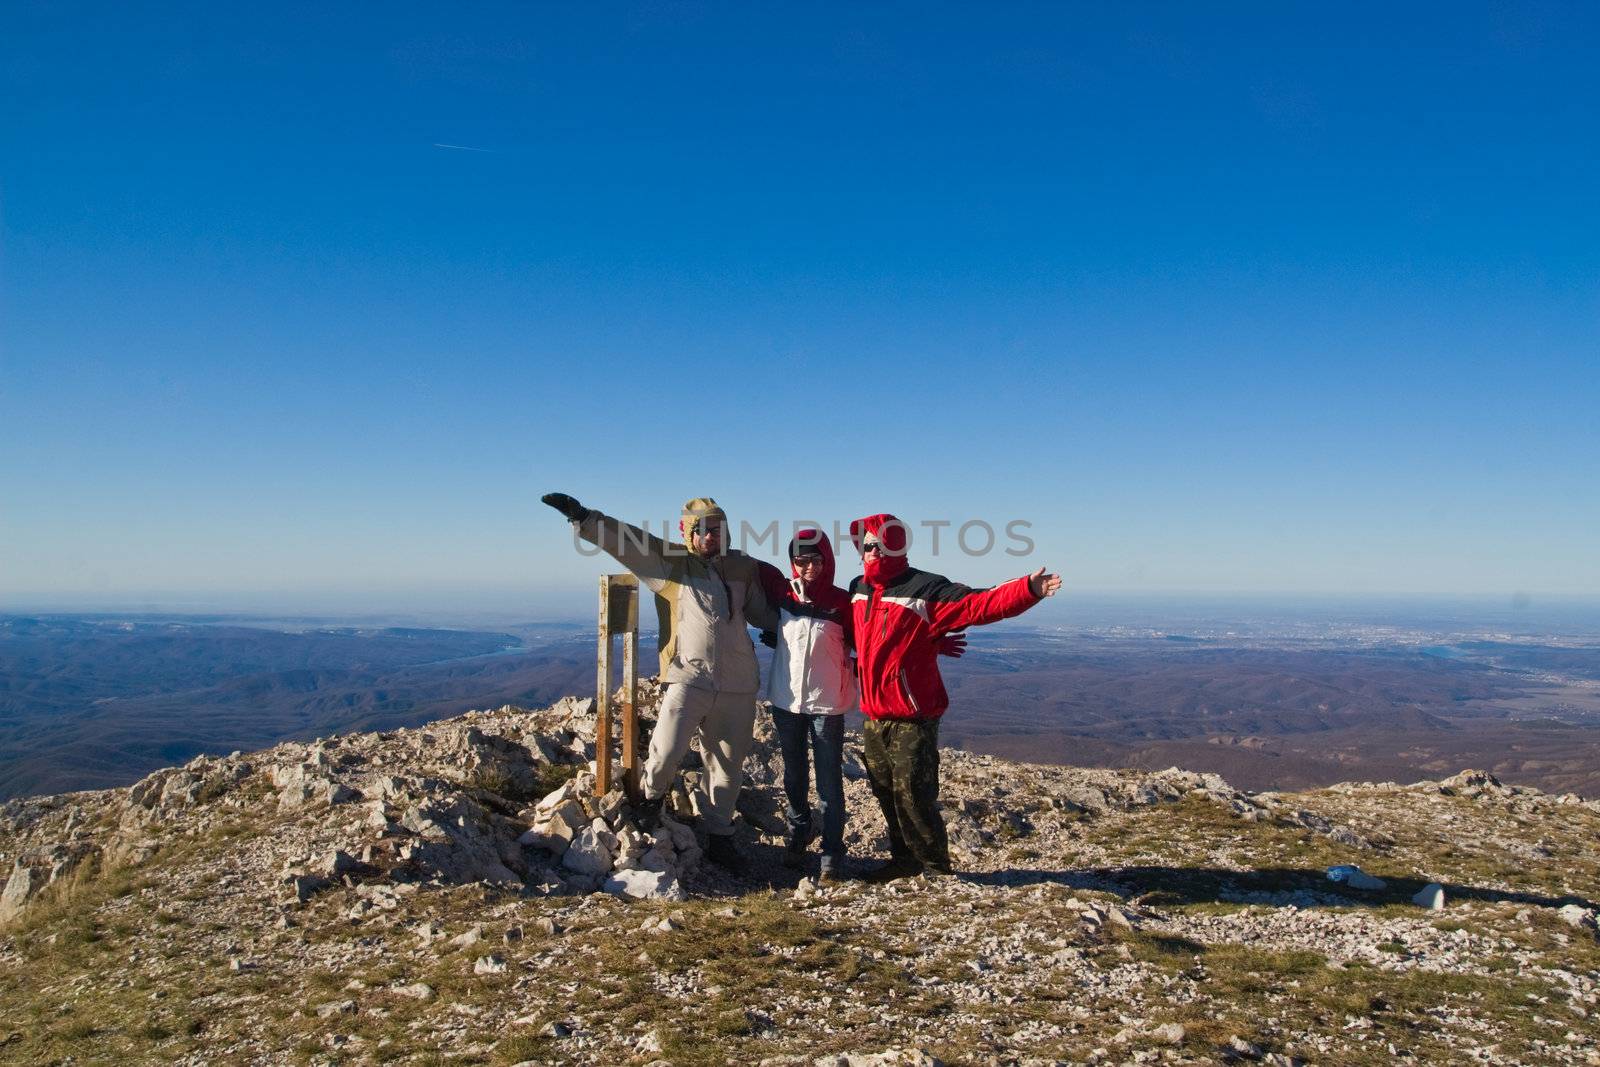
[1519, 613]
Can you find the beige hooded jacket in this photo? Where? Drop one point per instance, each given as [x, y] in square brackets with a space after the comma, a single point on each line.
[702, 604]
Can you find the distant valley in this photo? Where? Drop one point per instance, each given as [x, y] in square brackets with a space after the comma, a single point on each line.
[90, 702]
[1275, 717]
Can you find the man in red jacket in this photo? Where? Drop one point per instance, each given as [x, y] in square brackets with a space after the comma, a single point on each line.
[900, 613]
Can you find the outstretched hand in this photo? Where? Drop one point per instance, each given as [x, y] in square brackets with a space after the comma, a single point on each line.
[1042, 585]
[565, 504]
[953, 645]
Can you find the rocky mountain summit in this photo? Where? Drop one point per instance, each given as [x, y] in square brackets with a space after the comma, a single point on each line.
[456, 893]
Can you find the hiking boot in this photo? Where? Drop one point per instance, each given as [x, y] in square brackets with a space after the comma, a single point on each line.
[647, 814]
[721, 850]
[895, 868]
[794, 853]
[935, 870]
[832, 868]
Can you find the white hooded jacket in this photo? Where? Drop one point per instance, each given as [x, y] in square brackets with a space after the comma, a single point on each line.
[812, 671]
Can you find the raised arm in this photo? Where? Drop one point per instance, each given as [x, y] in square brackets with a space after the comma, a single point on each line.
[643, 553]
[953, 606]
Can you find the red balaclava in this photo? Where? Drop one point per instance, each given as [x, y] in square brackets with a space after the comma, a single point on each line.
[820, 590]
[883, 567]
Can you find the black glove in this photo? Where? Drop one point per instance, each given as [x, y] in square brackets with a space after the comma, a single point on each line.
[769, 639]
[566, 505]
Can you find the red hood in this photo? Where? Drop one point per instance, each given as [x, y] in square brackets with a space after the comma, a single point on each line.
[820, 590]
[883, 567]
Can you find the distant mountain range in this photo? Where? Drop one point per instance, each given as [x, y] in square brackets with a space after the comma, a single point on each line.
[88, 703]
[1285, 717]
[92, 702]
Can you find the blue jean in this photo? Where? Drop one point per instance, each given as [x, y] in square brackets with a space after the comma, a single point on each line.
[824, 736]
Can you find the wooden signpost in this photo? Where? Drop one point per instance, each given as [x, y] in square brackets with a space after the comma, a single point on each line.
[619, 613]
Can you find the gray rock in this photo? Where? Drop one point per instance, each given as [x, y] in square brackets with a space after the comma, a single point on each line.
[305, 885]
[1238, 1048]
[1430, 896]
[590, 851]
[888, 1058]
[1167, 1033]
[335, 793]
[1354, 877]
[555, 827]
[470, 937]
[336, 862]
[644, 885]
[23, 885]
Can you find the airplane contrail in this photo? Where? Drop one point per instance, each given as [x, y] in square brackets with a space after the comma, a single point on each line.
[461, 147]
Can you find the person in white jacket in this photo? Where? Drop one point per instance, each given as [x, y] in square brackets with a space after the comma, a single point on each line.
[811, 684]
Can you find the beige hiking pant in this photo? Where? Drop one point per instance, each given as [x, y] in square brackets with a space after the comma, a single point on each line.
[725, 723]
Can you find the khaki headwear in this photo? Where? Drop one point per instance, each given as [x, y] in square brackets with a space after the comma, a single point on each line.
[697, 511]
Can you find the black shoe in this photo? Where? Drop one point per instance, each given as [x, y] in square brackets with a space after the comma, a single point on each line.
[647, 814]
[721, 850]
[888, 872]
[794, 853]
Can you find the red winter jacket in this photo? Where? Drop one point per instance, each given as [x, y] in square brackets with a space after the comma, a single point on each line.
[901, 612]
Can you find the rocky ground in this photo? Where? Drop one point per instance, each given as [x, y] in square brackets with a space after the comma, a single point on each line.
[456, 893]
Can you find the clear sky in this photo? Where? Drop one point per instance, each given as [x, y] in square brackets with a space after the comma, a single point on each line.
[1218, 297]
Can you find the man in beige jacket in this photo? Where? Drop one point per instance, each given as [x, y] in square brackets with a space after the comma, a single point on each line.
[705, 594]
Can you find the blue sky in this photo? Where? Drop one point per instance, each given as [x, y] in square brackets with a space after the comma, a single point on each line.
[1218, 297]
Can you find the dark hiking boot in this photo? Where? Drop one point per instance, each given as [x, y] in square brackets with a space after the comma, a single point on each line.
[647, 814]
[721, 850]
[794, 853]
[888, 872]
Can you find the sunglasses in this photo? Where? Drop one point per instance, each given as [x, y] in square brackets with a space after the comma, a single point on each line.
[871, 546]
[808, 561]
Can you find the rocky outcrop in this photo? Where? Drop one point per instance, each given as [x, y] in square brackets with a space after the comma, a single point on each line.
[395, 883]
[36, 870]
[505, 798]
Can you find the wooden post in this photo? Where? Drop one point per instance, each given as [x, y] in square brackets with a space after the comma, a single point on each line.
[602, 732]
[630, 704]
[619, 613]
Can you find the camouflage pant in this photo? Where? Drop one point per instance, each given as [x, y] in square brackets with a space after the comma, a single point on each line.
[903, 767]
